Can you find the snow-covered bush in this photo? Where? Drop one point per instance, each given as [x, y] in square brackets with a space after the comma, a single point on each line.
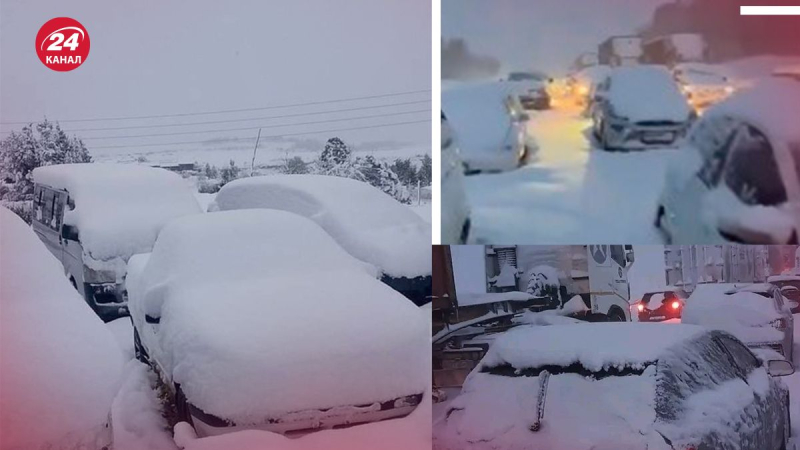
[294, 166]
[543, 281]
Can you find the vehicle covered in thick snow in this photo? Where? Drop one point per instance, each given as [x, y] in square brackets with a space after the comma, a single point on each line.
[60, 366]
[755, 313]
[530, 88]
[619, 386]
[490, 125]
[703, 84]
[738, 179]
[790, 289]
[369, 224]
[639, 107]
[258, 319]
[456, 222]
[93, 217]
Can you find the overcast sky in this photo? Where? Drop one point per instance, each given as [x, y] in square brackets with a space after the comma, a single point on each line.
[541, 34]
[156, 57]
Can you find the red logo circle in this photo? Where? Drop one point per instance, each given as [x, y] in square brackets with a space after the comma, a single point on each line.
[62, 44]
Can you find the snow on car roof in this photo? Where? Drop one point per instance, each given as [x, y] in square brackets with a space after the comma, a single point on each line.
[369, 224]
[776, 278]
[772, 105]
[612, 345]
[60, 365]
[478, 114]
[743, 312]
[665, 101]
[119, 208]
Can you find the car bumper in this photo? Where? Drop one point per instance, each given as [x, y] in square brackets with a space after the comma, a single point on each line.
[634, 136]
[304, 422]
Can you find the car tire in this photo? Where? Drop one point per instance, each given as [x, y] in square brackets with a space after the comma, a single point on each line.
[659, 224]
[616, 315]
[138, 349]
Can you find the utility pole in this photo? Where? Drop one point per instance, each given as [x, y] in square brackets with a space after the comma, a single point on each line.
[253, 162]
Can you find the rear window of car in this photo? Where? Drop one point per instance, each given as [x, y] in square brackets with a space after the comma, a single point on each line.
[752, 172]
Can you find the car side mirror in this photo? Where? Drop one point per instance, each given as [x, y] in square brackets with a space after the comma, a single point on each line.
[150, 319]
[779, 368]
[69, 232]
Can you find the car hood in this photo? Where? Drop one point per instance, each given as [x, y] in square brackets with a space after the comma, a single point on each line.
[251, 350]
[580, 414]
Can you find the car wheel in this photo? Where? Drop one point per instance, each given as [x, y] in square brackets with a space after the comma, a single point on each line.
[616, 315]
[182, 406]
[138, 349]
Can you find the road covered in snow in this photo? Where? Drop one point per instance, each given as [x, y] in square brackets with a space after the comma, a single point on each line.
[570, 192]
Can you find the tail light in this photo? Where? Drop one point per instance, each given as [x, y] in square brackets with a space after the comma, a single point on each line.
[676, 304]
[779, 324]
[640, 307]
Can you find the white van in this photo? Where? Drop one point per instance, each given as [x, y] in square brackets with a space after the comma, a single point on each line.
[93, 217]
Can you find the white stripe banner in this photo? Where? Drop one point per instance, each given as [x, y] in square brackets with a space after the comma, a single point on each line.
[770, 11]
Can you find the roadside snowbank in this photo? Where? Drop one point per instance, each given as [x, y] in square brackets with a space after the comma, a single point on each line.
[60, 365]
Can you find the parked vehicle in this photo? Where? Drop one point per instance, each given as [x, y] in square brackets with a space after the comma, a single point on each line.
[531, 89]
[258, 319]
[456, 221]
[582, 85]
[660, 305]
[598, 274]
[369, 224]
[490, 124]
[672, 49]
[738, 180]
[622, 120]
[755, 313]
[620, 51]
[790, 290]
[642, 391]
[93, 217]
[61, 367]
[702, 84]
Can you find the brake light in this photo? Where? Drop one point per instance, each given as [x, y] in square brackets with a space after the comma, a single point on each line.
[779, 324]
[676, 305]
[640, 307]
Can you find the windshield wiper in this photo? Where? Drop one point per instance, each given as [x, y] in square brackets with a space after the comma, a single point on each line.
[544, 377]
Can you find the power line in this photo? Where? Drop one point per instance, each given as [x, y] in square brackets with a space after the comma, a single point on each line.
[258, 127]
[281, 116]
[160, 116]
[274, 135]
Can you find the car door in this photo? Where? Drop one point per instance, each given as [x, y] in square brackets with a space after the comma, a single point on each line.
[713, 139]
[72, 251]
[786, 313]
[45, 216]
[751, 176]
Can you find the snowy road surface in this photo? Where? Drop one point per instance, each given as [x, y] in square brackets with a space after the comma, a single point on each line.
[570, 193]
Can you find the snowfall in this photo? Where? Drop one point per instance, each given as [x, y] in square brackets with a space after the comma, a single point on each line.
[67, 380]
[569, 192]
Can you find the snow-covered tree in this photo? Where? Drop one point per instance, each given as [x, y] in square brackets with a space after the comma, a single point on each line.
[294, 166]
[424, 172]
[381, 175]
[42, 144]
[335, 152]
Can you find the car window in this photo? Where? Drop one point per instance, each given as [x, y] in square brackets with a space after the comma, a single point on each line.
[618, 254]
[713, 138]
[752, 172]
[697, 366]
[47, 199]
[743, 358]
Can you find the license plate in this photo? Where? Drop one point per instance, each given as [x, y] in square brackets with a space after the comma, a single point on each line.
[658, 317]
[659, 137]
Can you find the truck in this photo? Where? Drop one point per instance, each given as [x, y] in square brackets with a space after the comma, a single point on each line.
[620, 51]
[596, 273]
[672, 49]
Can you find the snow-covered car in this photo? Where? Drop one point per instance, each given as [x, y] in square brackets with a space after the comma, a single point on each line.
[790, 290]
[659, 305]
[738, 179]
[93, 217]
[456, 221]
[583, 84]
[60, 366]
[632, 386]
[755, 313]
[702, 84]
[366, 222]
[258, 319]
[531, 89]
[491, 127]
[639, 107]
